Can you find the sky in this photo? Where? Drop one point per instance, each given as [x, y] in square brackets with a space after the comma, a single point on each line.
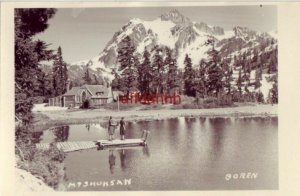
[83, 33]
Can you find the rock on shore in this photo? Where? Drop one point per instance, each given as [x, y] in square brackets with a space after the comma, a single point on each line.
[25, 182]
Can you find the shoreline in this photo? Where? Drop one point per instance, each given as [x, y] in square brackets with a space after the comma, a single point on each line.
[47, 119]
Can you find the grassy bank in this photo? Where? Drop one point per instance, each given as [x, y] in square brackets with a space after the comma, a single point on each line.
[46, 119]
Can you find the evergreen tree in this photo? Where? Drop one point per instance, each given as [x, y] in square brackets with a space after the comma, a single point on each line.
[116, 83]
[126, 53]
[129, 64]
[60, 74]
[96, 80]
[48, 86]
[71, 85]
[258, 77]
[239, 82]
[129, 78]
[201, 80]
[189, 77]
[274, 93]
[87, 78]
[172, 76]
[158, 72]
[144, 74]
[28, 54]
[246, 88]
[215, 73]
[260, 97]
[228, 80]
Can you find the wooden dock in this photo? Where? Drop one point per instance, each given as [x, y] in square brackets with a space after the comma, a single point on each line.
[69, 146]
[120, 143]
[101, 144]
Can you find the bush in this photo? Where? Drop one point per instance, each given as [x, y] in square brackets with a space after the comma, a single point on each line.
[38, 99]
[44, 164]
[260, 97]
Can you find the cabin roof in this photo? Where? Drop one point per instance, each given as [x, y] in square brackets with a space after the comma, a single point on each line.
[72, 91]
[92, 89]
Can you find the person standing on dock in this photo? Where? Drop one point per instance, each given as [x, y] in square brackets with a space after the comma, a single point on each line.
[111, 129]
[122, 128]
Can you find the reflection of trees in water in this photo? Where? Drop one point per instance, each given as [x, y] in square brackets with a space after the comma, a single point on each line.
[189, 122]
[123, 159]
[262, 122]
[36, 137]
[126, 157]
[202, 120]
[111, 161]
[217, 127]
[61, 133]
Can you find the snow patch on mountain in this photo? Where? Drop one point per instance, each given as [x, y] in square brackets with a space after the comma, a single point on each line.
[95, 65]
[185, 37]
[273, 34]
[227, 34]
[197, 50]
[162, 31]
[266, 86]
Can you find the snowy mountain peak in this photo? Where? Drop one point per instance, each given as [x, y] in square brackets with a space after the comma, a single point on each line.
[273, 33]
[176, 17]
[243, 32]
[203, 27]
[179, 33]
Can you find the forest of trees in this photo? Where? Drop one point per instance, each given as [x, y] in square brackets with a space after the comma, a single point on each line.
[31, 82]
[158, 73]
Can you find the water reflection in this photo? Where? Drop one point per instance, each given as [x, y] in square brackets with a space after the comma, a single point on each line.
[200, 150]
[61, 133]
[123, 158]
[218, 125]
[111, 161]
[36, 137]
[146, 151]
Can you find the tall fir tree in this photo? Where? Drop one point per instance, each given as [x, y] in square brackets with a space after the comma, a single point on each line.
[144, 74]
[239, 82]
[128, 66]
[189, 77]
[126, 53]
[172, 76]
[201, 87]
[158, 70]
[87, 78]
[29, 53]
[228, 80]
[60, 74]
[116, 82]
[215, 73]
[129, 78]
[258, 77]
[274, 93]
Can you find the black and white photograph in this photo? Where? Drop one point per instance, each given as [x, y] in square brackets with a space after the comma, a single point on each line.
[164, 98]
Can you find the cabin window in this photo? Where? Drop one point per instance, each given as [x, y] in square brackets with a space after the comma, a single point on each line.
[99, 93]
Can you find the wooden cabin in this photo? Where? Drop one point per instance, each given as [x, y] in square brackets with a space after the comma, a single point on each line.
[97, 95]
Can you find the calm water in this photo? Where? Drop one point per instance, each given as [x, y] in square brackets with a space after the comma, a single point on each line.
[182, 154]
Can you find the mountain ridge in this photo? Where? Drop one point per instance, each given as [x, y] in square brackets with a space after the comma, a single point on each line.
[179, 33]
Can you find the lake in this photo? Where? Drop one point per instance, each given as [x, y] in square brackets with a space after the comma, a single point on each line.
[181, 154]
